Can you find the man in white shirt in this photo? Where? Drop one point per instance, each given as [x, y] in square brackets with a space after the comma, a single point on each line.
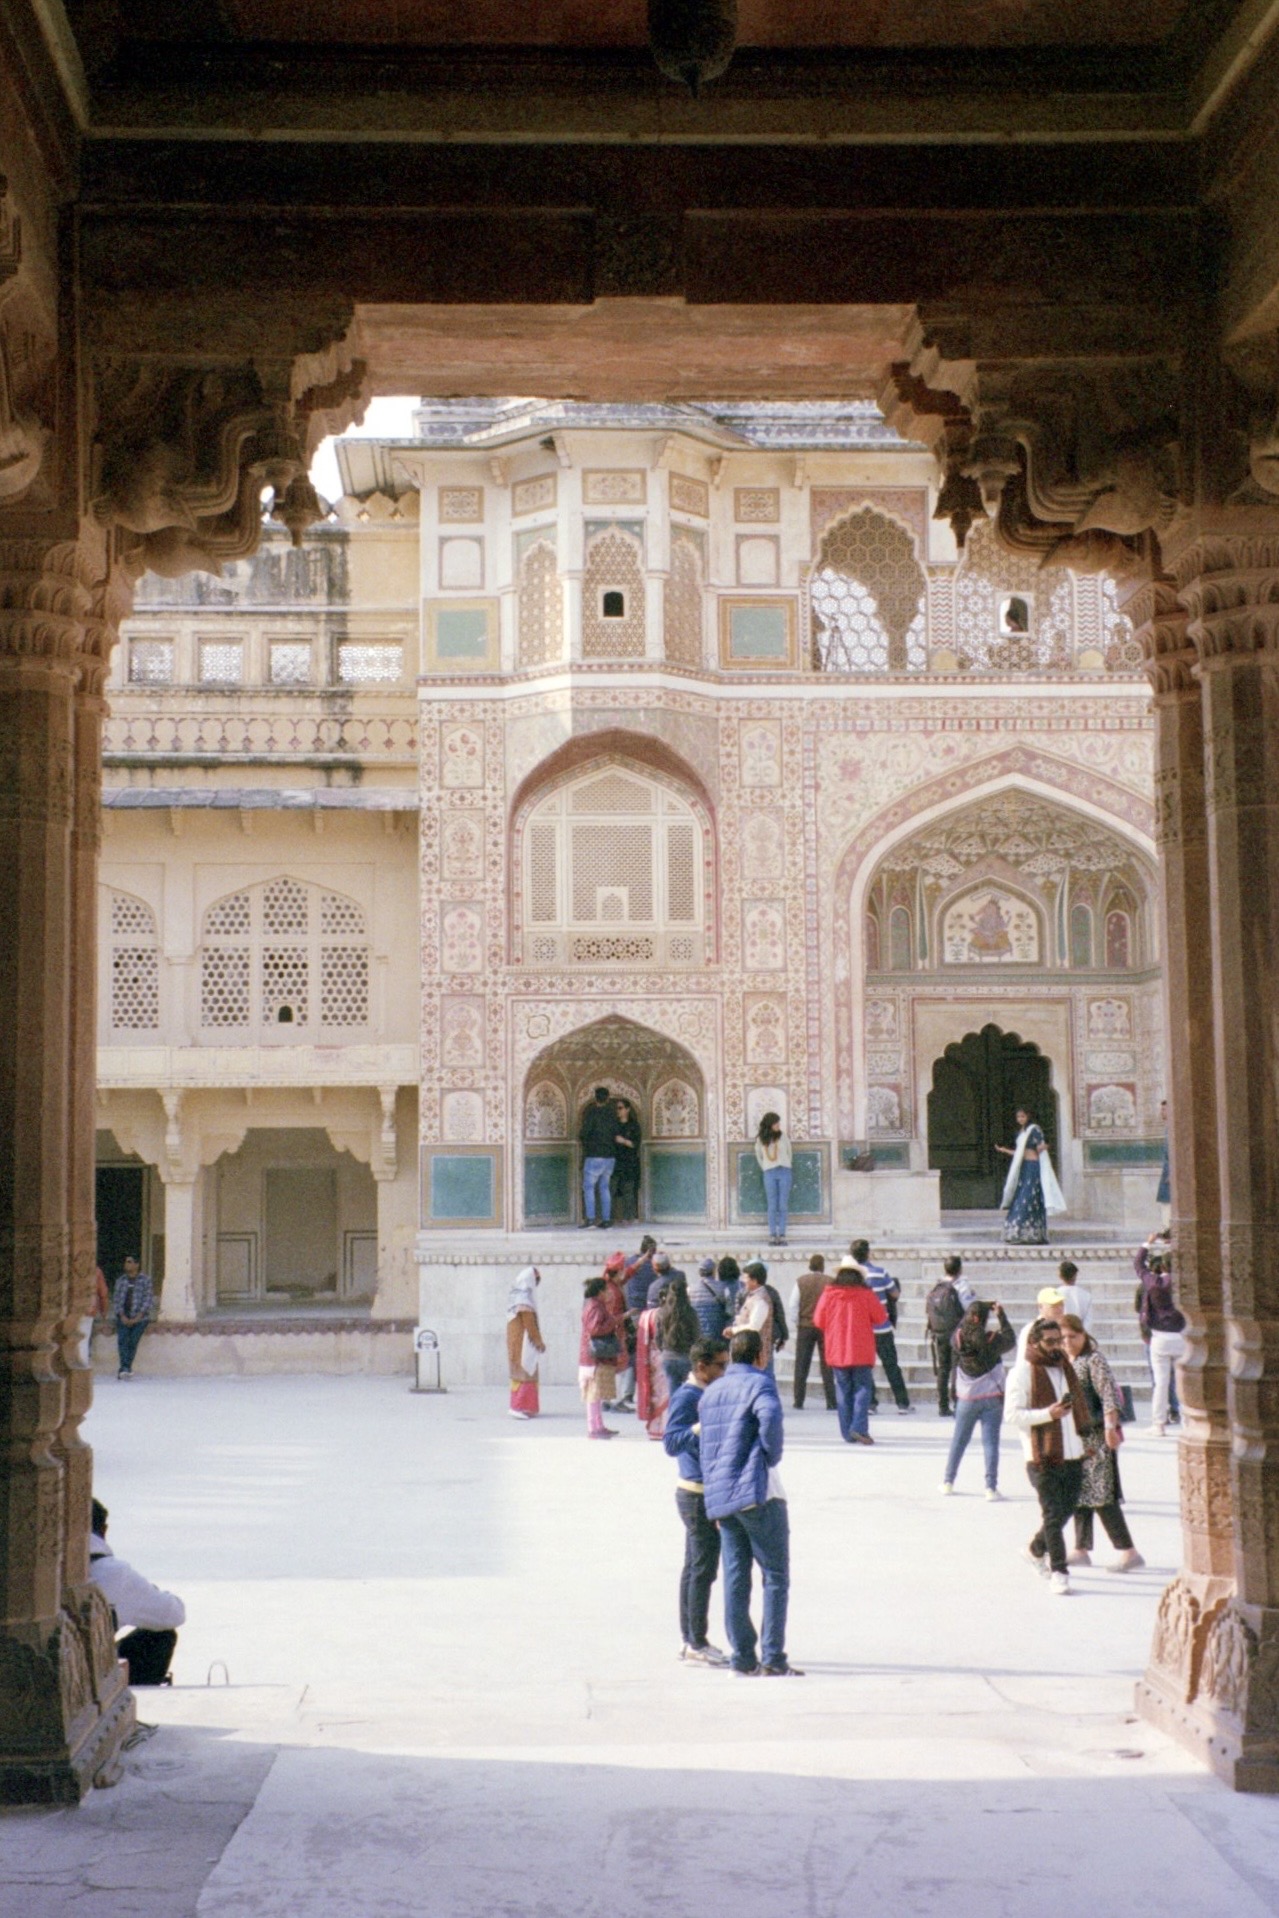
[1077, 1298]
[1043, 1400]
[755, 1313]
[154, 1615]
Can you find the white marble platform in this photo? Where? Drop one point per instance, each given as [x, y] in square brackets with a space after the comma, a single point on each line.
[450, 1642]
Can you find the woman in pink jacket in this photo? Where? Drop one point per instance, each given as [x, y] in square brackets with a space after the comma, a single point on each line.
[846, 1314]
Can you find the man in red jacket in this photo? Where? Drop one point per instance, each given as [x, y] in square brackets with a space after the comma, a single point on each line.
[846, 1314]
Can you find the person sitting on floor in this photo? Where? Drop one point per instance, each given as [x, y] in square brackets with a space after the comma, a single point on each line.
[148, 1617]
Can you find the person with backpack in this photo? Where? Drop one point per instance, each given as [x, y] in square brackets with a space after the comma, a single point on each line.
[944, 1309]
[847, 1316]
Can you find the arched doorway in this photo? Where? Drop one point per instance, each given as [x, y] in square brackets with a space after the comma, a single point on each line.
[978, 1085]
[665, 1086]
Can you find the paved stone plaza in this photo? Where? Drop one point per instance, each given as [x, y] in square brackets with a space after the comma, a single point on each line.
[451, 1684]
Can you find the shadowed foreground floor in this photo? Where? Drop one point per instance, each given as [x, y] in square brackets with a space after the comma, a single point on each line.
[453, 1686]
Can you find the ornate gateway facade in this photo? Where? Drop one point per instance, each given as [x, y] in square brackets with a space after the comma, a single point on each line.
[672, 747]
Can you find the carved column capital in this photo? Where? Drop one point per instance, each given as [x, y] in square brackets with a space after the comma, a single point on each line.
[1160, 623]
[1229, 584]
[45, 598]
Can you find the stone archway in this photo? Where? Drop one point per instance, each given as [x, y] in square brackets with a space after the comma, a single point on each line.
[665, 1085]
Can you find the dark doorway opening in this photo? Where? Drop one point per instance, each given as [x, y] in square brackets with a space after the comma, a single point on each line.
[978, 1084]
[121, 1202]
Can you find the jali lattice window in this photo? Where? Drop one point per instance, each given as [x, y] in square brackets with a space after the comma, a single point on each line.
[151, 662]
[866, 598]
[685, 599]
[134, 965]
[370, 663]
[540, 613]
[613, 873]
[614, 564]
[284, 960]
[291, 662]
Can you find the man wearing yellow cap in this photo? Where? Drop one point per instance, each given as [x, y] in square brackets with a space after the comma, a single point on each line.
[1050, 1303]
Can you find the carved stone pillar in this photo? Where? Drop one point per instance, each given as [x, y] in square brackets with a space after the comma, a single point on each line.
[1193, 1598]
[64, 1706]
[1228, 581]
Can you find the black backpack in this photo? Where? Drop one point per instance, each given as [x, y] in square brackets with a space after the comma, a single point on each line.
[781, 1331]
[943, 1309]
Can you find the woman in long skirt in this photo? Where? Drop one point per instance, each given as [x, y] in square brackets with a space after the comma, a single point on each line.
[652, 1390]
[524, 1344]
[1101, 1491]
[1031, 1190]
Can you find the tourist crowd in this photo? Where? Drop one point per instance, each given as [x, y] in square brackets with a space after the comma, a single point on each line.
[696, 1361]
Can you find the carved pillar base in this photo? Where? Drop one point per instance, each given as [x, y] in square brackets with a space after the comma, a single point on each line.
[1213, 1681]
[65, 1709]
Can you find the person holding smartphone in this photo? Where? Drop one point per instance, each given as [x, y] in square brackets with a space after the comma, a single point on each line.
[1046, 1404]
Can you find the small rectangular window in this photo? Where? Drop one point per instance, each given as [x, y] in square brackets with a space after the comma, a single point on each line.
[221, 662]
[372, 664]
[151, 662]
[291, 663]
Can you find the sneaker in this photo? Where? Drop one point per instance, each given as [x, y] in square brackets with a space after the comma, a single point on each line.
[1041, 1565]
[1059, 1585]
[704, 1655]
[603, 1225]
[946, 1489]
[512, 1413]
[605, 1431]
[586, 1225]
[905, 1411]
[121, 1373]
[747, 1671]
[1129, 1561]
[783, 1669]
[994, 1495]
[1079, 1557]
[874, 1411]
[624, 1405]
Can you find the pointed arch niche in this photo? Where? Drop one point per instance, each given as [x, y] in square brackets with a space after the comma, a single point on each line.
[664, 1085]
[1020, 909]
[866, 598]
[612, 867]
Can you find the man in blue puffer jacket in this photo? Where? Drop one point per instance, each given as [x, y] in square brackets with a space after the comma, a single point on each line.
[741, 1448]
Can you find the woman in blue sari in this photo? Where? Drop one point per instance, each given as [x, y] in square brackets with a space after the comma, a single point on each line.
[1031, 1190]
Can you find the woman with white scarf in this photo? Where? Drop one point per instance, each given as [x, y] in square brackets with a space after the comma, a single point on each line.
[524, 1343]
[1031, 1190]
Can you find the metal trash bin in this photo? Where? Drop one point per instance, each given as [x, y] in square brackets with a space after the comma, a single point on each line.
[426, 1359]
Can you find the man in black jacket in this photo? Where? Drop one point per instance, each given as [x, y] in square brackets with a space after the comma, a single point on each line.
[599, 1128]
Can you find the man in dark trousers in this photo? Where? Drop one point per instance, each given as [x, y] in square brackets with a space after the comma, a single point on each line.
[887, 1291]
[682, 1437]
[944, 1307]
[741, 1448]
[598, 1133]
[808, 1340]
[152, 1615]
[133, 1304]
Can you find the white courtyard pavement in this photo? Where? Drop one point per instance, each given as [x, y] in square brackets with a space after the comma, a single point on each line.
[453, 1687]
